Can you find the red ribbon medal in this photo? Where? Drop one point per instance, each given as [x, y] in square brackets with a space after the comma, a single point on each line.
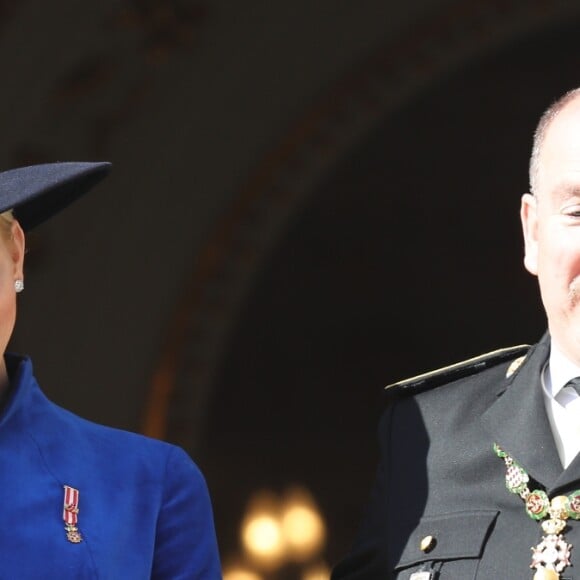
[70, 514]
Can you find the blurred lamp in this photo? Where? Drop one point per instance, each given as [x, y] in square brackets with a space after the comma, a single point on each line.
[261, 532]
[240, 573]
[302, 525]
[316, 572]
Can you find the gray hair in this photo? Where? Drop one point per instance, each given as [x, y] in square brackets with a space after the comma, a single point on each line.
[540, 133]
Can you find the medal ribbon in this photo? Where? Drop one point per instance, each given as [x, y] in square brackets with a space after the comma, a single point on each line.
[70, 514]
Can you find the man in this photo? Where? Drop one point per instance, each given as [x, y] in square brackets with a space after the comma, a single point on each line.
[480, 473]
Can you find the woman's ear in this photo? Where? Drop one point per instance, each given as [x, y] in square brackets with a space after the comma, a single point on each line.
[529, 217]
[17, 249]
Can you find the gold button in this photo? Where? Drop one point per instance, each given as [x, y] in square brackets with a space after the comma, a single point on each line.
[427, 544]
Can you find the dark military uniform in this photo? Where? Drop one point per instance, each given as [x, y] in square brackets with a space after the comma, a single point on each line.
[440, 507]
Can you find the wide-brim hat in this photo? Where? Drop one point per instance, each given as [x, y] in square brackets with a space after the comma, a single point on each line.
[37, 192]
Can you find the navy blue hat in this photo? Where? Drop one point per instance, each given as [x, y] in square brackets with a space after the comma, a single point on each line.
[37, 192]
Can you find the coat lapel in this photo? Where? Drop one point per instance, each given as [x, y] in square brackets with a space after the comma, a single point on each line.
[518, 422]
[570, 477]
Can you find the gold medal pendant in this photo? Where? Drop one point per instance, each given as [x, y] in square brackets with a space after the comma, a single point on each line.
[72, 534]
[546, 574]
[550, 557]
[552, 554]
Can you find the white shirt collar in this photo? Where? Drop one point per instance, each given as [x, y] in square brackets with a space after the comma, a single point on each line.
[561, 370]
[563, 411]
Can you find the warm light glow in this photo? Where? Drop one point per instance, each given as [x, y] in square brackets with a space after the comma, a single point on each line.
[261, 533]
[317, 572]
[239, 573]
[302, 525]
[303, 529]
[275, 531]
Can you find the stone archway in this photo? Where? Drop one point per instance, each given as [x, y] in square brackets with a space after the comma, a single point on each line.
[292, 317]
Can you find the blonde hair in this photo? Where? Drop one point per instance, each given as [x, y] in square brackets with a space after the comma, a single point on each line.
[6, 221]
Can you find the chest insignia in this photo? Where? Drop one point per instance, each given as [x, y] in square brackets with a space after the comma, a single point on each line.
[514, 366]
[552, 555]
[70, 514]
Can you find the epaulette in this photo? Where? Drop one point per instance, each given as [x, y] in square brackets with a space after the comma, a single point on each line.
[460, 370]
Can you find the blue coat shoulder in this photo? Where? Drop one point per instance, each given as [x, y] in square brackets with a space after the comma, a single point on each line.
[144, 509]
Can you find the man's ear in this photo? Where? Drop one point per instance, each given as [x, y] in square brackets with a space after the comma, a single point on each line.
[529, 217]
[17, 249]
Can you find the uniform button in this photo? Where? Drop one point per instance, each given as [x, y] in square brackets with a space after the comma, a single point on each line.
[427, 544]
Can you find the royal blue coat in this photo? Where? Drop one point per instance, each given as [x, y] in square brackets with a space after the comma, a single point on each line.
[144, 508]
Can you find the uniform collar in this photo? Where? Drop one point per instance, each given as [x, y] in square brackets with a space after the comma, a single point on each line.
[518, 422]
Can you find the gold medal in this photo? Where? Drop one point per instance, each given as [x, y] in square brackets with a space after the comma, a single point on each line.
[550, 557]
[546, 574]
[73, 535]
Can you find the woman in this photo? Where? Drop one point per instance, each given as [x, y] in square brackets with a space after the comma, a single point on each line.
[79, 500]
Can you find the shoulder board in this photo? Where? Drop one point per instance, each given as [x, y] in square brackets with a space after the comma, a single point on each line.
[458, 370]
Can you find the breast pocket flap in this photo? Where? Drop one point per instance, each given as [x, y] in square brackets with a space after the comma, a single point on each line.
[448, 537]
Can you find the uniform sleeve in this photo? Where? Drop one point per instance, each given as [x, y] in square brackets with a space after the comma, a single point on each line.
[185, 543]
[368, 558]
